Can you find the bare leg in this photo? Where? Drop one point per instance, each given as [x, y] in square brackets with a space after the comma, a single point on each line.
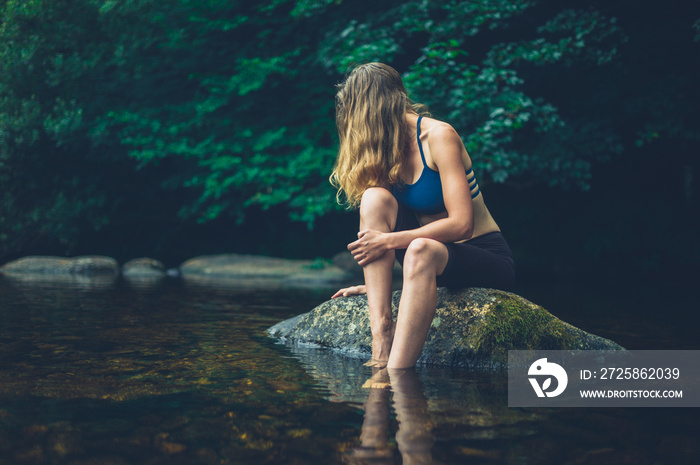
[375, 428]
[425, 260]
[378, 210]
[374, 437]
[415, 436]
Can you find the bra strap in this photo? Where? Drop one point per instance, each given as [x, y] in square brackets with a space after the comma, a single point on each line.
[420, 147]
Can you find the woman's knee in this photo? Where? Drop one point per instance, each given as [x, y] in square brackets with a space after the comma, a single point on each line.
[378, 205]
[424, 256]
[378, 198]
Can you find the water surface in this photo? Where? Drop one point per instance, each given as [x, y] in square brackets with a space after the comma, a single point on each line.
[111, 373]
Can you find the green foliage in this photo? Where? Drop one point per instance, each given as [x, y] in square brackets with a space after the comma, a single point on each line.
[515, 136]
[47, 54]
[62, 66]
[568, 37]
[123, 112]
[255, 128]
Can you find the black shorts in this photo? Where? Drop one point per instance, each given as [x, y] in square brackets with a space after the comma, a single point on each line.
[485, 261]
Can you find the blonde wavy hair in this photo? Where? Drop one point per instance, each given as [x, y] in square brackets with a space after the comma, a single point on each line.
[370, 111]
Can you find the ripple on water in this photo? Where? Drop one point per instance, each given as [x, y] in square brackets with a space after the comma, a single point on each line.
[185, 374]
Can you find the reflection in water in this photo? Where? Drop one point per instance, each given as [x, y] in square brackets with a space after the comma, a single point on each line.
[161, 375]
[414, 436]
[374, 438]
[449, 416]
[63, 280]
[406, 412]
[178, 373]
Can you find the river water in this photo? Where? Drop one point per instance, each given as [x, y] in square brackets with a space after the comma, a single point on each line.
[109, 372]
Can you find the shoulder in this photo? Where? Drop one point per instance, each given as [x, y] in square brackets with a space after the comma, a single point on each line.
[437, 129]
[440, 132]
[443, 139]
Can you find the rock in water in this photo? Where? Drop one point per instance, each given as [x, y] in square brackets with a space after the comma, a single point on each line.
[263, 271]
[89, 265]
[143, 267]
[472, 327]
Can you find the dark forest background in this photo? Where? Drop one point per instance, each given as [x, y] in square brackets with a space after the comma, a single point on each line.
[177, 128]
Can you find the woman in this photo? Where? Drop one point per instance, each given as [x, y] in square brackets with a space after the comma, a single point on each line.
[419, 202]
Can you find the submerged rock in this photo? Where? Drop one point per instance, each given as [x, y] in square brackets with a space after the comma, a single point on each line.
[89, 265]
[261, 270]
[472, 327]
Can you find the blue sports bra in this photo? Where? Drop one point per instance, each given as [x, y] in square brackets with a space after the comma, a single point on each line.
[425, 195]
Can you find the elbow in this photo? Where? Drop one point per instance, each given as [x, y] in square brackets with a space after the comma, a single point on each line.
[465, 230]
[468, 232]
[461, 227]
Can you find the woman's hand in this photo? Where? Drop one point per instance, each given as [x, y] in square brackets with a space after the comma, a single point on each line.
[369, 246]
[348, 291]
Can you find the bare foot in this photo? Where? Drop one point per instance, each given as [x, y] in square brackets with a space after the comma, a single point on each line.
[379, 380]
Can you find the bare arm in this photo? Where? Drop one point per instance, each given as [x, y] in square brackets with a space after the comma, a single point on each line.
[446, 148]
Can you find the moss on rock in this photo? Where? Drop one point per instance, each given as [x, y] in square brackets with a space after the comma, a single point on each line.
[48, 265]
[471, 327]
[515, 324]
[264, 271]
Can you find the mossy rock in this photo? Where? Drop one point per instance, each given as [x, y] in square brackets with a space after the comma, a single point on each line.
[228, 268]
[88, 265]
[143, 267]
[472, 327]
